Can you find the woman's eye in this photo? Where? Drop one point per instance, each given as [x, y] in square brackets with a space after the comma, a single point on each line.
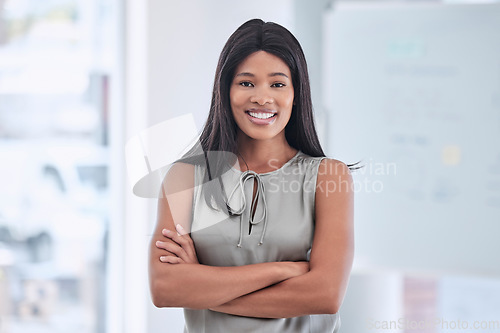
[249, 84]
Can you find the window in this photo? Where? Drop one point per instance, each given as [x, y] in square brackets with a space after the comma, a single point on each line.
[56, 60]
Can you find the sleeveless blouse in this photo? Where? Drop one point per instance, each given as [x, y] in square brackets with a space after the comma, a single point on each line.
[281, 229]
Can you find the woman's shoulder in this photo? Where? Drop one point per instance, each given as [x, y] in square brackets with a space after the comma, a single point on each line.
[180, 175]
[301, 158]
[325, 160]
[181, 169]
[323, 164]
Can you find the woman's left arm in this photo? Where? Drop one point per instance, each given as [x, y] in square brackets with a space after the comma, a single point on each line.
[322, 289]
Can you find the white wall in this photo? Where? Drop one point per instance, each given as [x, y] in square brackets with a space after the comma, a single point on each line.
[131, 250]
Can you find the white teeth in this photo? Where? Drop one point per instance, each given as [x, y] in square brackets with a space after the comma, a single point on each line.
[261, 115]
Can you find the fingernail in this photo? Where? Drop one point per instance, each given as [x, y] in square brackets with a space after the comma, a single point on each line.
[158, 243]
[179, 228]
[163, 258]
[166, 231]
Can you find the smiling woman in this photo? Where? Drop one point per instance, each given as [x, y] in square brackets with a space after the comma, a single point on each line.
[234, 250]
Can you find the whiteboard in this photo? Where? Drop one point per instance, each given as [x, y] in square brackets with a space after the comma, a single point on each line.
[414, 91]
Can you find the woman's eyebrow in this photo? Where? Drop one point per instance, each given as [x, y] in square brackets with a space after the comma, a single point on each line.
[278, 74]
[270, 74]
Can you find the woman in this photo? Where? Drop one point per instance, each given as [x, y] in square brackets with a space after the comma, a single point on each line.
[265, 244]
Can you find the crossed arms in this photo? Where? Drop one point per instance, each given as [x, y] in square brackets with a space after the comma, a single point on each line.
[267, 290]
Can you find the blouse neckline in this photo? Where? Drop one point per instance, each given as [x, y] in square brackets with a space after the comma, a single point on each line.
[274, 171]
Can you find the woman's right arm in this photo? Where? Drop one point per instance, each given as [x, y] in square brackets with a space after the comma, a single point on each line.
[194, 285]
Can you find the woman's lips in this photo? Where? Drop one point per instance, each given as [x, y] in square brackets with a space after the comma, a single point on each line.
[261, 121]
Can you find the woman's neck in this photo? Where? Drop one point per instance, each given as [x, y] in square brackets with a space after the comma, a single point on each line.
[263, 155]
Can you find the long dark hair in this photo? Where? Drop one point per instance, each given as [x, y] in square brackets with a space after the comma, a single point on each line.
[219, 132]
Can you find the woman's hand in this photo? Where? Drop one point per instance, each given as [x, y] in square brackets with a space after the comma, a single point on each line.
[182, 247]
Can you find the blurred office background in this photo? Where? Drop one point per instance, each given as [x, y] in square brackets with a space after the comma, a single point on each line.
[411, 88]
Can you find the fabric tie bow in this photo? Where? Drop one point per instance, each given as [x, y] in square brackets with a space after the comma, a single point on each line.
[246, 215]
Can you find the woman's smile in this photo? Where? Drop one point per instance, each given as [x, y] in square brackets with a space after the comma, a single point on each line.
[261, 116]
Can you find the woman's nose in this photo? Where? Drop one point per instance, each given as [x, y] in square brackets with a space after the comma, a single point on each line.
[261, 97]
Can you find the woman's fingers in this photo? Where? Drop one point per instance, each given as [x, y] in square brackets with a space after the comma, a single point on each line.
[173, 248]
[171, 260]
[184, 240]
[180, 230]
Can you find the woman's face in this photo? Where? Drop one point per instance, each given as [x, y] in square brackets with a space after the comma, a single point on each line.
[261, 96]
